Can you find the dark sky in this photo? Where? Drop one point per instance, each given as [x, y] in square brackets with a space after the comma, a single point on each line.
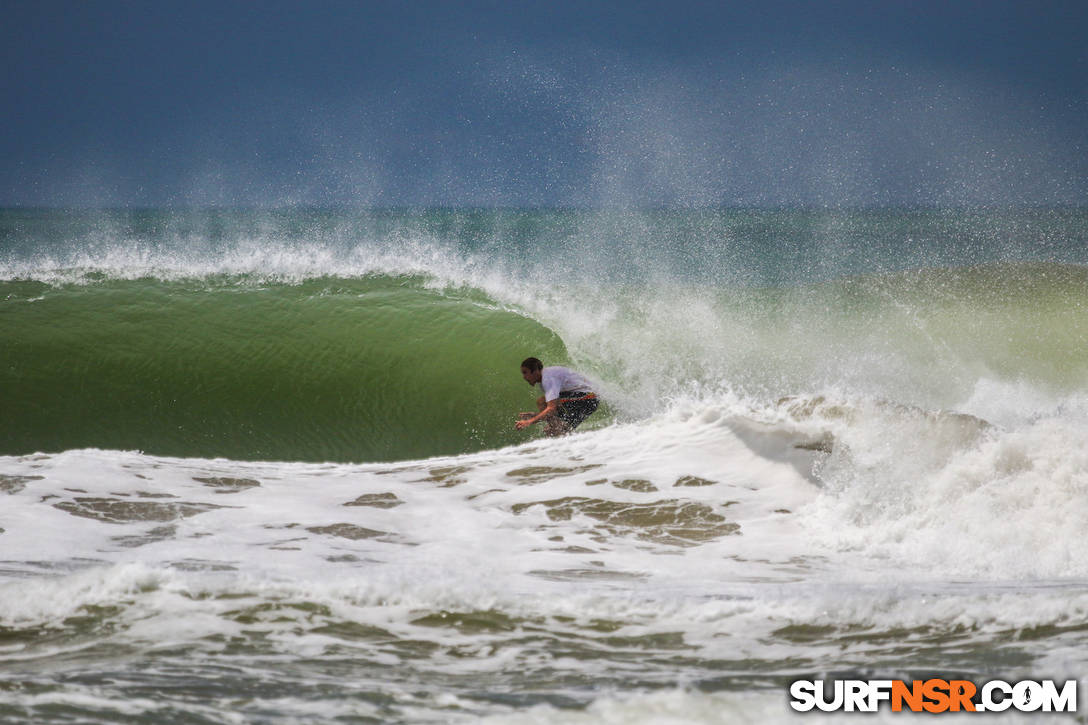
[818, 102]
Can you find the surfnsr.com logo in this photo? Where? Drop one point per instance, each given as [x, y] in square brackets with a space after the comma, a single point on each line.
[933, 695]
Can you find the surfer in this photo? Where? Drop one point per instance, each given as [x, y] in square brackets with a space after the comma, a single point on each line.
[568, 397]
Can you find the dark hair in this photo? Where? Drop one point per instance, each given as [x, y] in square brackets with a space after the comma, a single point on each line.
[532, 364]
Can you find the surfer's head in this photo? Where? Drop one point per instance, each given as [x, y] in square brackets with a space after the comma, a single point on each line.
[531, 370]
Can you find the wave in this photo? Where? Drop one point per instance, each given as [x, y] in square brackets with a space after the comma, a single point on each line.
[375, 368]
[376, 336]
[391, 366]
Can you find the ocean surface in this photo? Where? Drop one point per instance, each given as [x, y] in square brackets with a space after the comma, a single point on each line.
[260, 466]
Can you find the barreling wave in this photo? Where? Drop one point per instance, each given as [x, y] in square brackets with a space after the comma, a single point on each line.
[371, 368]
[384, 335]
[389, 366]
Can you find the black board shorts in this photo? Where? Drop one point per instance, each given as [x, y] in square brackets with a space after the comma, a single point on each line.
[576, 406]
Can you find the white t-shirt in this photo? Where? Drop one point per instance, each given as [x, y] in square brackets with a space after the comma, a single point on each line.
[556, 378]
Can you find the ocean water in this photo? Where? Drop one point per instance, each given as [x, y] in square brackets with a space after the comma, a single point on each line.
[260, 466]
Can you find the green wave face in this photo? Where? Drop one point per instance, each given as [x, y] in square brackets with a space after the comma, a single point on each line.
[370, 369]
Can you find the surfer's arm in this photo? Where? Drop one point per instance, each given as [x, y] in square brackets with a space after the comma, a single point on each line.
[549, 409]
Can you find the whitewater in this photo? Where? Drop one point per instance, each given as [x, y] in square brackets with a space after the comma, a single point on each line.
[260, 466]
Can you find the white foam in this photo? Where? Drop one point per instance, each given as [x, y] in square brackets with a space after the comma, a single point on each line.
[692, 707]
[948, 494]
[489, 541]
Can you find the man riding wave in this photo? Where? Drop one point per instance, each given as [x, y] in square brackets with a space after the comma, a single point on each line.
[567, 401]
